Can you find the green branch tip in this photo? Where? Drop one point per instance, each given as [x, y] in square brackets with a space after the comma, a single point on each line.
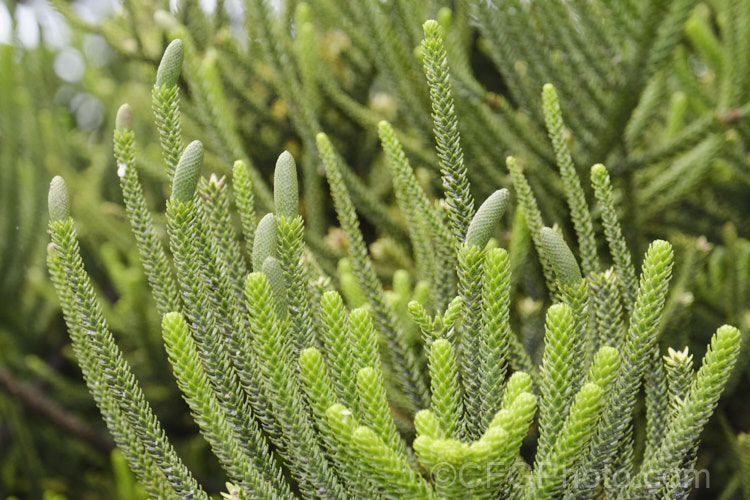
[661, 249]
[549, 91]
[256, 281]
[285, 188]
[216, 181]
[171, 321]
[58, 199]
[559, 255]
[431, 29]
[604, 368]
[588, 395]
[339, 413]
[384, 128]
[426, 424]
[727, 335]
[486, 218]
[170, 65]
[187, 172]
[124, 117]
[239, 170]
[674, 357]
[308, 354]
[517, 384]
[598, 172]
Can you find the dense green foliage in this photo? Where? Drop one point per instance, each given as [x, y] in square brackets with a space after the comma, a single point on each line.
[656, 91]
[235, 355]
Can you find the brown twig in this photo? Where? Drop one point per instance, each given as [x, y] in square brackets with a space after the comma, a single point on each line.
[37, 401]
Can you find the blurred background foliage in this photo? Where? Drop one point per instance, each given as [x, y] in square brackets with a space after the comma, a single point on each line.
[663, 100]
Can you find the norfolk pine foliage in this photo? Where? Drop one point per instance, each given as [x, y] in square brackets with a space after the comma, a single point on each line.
[297, 395]
[646, 88]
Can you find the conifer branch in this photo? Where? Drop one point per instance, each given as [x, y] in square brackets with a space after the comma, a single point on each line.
[140, 462]
[687, 424]
[455, 182]
[495, 330]
[411, 381]
[617, 247]
[304, 455]
[338, 342]
[165, 98]
[297, 396]
[446, 391]
[183, 355]
[150, 249]
[429, 237]
[533, 218]
[216, 210]
[579, 210]
[106, 356]
[245, 202]
[390, 472]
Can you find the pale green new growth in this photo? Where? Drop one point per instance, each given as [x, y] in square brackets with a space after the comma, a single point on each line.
[560, 368]
[687, 422]
[446, 401]
[604, 367]
[495, 336]
[572, 440]
[374, 409]
[388, 471]
[183, 355]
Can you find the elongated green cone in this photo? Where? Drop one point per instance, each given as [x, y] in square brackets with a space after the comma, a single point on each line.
[486, 218]
[285, 190]
[124, 117]
[187, 172]
[58, 199]
[170, 65]
[559, 255]
[264, 245]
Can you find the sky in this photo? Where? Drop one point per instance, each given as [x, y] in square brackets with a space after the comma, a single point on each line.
[32, 14]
